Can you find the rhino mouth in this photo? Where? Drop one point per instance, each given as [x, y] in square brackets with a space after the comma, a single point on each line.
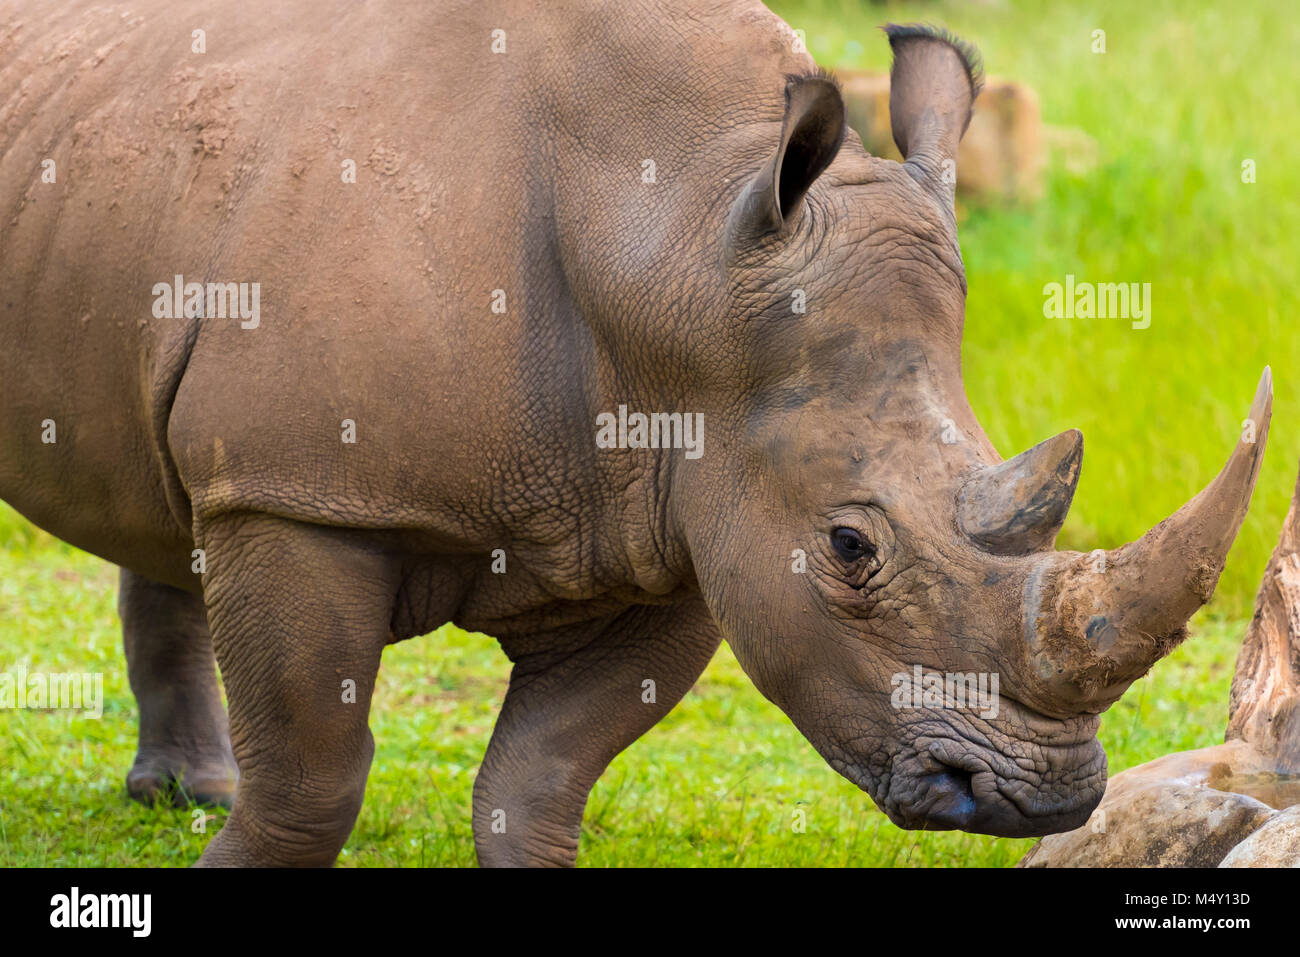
[1025, 775]
[982, 802]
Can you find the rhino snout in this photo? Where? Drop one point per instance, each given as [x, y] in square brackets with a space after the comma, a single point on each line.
[1020, 775]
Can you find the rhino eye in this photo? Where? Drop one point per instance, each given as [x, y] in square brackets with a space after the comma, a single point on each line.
[850, 544]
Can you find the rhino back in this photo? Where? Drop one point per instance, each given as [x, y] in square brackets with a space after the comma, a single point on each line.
[228, 166]
[477, 175]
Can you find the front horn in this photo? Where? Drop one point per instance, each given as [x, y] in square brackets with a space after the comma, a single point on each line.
[1096, 625]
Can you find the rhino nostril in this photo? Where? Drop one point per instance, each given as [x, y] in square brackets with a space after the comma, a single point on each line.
[949, 801]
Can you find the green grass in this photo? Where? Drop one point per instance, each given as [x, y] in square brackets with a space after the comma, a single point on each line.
[716, 783]
[1185, 92]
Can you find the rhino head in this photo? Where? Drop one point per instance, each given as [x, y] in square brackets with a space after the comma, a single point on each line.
[852, 522]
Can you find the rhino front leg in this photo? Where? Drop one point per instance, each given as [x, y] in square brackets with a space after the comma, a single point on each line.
[300, 616]
[567, 714]
[184, 748]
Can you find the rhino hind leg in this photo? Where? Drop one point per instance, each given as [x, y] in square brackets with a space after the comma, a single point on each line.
[567, 714]
[184, 751]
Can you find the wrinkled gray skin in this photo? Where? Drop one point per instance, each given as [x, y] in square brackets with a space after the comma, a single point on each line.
[522, 171]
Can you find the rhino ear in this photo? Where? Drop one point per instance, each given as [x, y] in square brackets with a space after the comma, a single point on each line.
[932, 88]
[811, 134]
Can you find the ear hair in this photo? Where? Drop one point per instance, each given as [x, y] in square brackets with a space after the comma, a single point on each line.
[933, 84]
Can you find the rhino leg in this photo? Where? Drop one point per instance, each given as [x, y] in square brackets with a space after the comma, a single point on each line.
[184, 749]
[300, 616]
[566, 715]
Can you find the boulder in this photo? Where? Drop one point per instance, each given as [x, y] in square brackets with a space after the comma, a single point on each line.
[1275, 844]
[1160, 825]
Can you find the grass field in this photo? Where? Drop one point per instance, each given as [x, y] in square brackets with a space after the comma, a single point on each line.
[716, 783]
[1183, 94]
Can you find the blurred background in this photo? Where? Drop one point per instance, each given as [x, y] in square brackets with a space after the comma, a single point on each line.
[1119, 166]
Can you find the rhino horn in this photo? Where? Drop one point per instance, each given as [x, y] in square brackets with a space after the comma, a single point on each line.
[1018, 506]
[1103, 620]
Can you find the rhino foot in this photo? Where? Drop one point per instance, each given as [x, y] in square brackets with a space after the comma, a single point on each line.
[160, 777]
[183, 756]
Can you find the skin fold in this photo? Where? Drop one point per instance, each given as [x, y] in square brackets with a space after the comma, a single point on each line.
[589, 209]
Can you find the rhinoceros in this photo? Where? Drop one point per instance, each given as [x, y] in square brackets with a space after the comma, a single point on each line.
[337, 322]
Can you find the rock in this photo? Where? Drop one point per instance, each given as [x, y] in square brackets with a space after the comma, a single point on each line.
[866, 99]
[1160, 825]
[1276, 844]
[1001, 155]
[1073, 149]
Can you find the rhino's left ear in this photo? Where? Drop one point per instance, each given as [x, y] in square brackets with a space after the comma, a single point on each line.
[811, 134]
[932, 88]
